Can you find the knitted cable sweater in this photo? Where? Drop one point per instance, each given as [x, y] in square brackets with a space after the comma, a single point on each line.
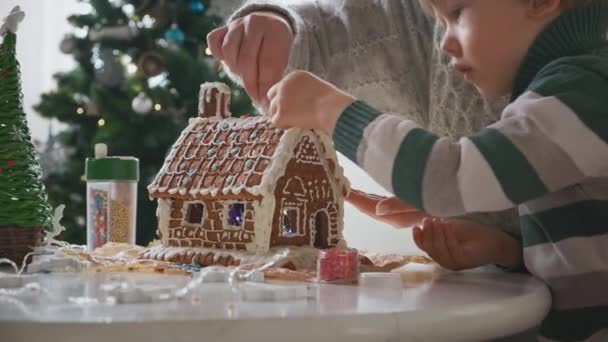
[385, 53]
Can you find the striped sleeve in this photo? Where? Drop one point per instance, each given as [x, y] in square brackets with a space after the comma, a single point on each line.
[551, 137]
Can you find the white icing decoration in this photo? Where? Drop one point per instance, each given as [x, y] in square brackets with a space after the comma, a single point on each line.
[163, 212]
[302, 257]
[205, 97]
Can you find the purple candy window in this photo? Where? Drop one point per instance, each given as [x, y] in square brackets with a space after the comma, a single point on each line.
[236, 214]
[290, 222]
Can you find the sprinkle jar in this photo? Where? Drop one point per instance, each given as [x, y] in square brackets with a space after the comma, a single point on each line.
[111, 198]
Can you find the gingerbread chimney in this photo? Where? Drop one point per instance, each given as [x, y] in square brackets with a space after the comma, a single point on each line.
[214, 100]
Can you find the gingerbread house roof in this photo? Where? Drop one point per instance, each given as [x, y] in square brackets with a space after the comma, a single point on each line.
[215, 156]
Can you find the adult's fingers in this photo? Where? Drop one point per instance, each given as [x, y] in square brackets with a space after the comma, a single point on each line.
[215, 40]
[232, 44]
[247, 61]
[272, 62]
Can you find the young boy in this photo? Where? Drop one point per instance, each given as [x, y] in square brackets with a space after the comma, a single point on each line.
[383, 52]
[548, 154]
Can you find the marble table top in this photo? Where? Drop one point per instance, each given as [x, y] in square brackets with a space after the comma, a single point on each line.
[472, 305]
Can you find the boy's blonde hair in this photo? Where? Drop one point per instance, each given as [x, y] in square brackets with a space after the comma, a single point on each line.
[427, 5]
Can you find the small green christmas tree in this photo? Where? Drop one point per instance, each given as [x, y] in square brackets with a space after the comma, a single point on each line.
[23, 198]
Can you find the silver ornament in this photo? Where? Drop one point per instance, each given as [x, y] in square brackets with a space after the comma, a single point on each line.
[142, 104]
[68, 44]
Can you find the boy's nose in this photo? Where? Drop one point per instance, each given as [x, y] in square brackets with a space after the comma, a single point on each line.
[450, 46]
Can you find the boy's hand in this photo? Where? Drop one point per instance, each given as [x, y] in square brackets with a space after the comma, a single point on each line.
[459, 244]
[256, 48]
[303, 100]
[389, 210]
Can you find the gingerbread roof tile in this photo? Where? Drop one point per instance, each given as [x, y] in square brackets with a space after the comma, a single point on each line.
[223, 156]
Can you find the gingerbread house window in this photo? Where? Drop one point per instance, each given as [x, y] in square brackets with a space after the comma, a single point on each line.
[290, 221]
[235, 215]
[195, 213]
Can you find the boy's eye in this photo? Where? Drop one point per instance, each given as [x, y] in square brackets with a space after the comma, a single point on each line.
[455, 14]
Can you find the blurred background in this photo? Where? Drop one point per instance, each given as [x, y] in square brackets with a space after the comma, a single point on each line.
[126, 73]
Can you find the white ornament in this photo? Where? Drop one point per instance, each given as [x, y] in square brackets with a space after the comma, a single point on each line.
[142, 104]
[11, 22]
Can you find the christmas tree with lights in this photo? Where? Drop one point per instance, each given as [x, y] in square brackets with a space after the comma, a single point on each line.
[24, 210]
[140, 66]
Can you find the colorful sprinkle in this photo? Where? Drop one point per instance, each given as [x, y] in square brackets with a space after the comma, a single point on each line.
[183, 166]
[10, 163]
[185, 181]
[5, 73]
[278, 131]
[191, 172]
[233, 135]
[211, 152]
[200, 136]
[225, 126]
[249, 164]
[234, 151]
[229, 179]
[217, 141]
[215, 167]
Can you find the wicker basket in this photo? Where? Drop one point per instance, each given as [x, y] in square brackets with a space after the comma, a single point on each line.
[16, 242]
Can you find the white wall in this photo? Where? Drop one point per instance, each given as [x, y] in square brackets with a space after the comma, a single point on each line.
[365, 233]
[38, 52]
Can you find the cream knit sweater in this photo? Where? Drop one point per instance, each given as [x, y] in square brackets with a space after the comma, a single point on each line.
[385, 52]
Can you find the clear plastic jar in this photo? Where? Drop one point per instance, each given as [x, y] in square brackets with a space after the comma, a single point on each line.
[338, 266]
[111, 198]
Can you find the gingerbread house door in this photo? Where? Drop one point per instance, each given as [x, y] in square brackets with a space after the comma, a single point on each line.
[321, 229]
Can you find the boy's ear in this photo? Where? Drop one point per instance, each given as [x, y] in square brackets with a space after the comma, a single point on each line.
[542, 9]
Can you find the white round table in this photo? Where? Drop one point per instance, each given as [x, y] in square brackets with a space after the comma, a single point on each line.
[466, 306]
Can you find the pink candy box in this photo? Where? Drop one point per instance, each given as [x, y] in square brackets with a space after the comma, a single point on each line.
[338, 266]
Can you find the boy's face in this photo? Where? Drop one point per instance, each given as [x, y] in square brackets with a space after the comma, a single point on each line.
[488, 40]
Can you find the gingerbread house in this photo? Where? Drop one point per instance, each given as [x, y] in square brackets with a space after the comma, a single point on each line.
[241, 184]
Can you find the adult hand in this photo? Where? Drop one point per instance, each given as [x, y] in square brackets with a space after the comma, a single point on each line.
[255, 47]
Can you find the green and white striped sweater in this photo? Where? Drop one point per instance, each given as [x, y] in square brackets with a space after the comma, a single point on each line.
[548, 155]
